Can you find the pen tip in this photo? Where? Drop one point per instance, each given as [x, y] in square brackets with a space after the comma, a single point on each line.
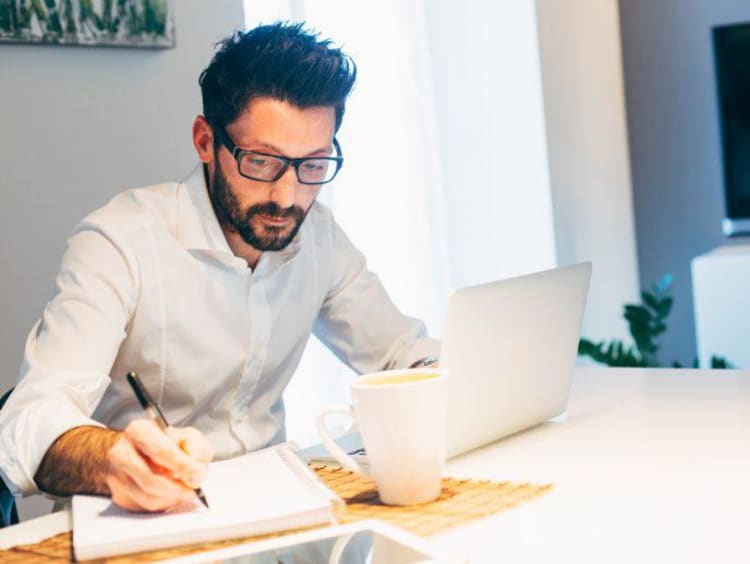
[203, 499]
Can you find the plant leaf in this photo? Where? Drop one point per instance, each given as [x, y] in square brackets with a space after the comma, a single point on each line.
[720, 362]
[664, 307]
[637, 312]
[651, 300]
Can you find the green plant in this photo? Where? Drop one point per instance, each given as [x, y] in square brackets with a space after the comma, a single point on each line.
[646, 322]
[70, 21]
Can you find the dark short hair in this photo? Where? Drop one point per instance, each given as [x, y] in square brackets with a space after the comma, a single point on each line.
[283, 61]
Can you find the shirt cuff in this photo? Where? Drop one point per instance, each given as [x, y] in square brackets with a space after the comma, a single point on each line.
[421, 348]
[21, 451]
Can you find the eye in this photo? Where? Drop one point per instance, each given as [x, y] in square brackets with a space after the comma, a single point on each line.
[258, 162]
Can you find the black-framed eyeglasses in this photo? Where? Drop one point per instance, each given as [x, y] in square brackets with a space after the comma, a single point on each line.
[265, 167]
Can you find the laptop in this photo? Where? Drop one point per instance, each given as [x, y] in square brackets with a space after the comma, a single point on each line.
[511, 348]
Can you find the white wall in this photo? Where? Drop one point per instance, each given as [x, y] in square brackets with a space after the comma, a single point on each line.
[581, 62]
[77, 125]
[533, 138]
[485, 63]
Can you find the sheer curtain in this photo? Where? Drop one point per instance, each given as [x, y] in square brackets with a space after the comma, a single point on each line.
[396, 217]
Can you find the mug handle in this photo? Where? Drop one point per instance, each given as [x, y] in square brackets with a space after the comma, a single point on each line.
[336, 451]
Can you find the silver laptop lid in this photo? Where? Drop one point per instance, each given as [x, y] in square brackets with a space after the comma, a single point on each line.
[511, 348]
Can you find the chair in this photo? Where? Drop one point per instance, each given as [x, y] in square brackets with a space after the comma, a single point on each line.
[8, 512]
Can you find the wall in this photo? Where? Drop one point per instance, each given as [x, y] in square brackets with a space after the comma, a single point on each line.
[674, 143]
[490, 118]
[80, 124]
[533, 138]
[581, 64]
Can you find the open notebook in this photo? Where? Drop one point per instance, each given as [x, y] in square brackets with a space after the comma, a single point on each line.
[262, 492]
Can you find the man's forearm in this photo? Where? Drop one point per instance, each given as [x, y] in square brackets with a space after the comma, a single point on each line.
[77, 462]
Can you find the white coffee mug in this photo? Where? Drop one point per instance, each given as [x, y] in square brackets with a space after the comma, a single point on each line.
[401, 417]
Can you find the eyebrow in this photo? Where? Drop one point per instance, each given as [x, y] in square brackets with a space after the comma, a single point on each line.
[277, 151]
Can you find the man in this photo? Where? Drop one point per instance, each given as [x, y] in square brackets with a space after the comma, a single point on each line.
[208, 288]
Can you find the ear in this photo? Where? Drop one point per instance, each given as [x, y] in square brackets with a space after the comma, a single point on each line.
[203, 140]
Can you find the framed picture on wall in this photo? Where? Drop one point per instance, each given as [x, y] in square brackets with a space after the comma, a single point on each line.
[113, 23]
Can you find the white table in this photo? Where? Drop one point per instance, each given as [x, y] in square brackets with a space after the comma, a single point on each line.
[649, 466]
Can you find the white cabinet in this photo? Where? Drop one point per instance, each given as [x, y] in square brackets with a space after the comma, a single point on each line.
[721, 297]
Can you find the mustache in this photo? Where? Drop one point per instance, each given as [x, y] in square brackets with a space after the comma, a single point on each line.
[273, 209]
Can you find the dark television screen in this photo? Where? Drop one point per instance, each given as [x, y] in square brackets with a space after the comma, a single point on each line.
[732, 60]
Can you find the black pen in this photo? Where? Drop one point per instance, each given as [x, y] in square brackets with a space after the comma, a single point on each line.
[154, 413]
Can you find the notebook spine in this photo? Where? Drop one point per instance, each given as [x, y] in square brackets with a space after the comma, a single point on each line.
[299, 468]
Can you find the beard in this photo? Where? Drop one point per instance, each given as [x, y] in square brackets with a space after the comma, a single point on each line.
[251, 228]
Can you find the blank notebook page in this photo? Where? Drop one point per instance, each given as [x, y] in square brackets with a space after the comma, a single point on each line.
[252, 494]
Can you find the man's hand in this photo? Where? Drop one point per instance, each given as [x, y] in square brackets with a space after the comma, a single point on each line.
[150, 470]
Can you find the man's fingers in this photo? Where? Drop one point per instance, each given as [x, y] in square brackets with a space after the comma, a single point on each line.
[151, 482]
[162, 450]
[153, 470]
[119, 494]
[128, 495]
[193, 443]
[135, 486]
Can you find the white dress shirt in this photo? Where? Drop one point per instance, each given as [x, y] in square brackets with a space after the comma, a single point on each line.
[148, 283]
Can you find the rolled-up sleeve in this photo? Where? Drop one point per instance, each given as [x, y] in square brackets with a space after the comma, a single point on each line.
[360, 323]
[68, 354]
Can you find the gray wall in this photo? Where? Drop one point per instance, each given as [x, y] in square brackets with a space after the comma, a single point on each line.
[674, 143]
[77, 125]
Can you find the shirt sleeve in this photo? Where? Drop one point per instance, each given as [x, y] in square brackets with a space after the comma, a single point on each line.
[68, 354]
[359, 322]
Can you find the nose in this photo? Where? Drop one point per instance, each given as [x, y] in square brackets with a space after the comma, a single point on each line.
[282, 191]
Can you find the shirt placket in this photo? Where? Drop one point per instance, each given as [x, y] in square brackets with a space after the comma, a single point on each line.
[260, 328]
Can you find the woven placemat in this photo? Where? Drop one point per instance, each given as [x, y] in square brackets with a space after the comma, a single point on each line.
[461, 501]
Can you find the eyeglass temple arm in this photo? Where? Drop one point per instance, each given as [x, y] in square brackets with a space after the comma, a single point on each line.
[226, 141]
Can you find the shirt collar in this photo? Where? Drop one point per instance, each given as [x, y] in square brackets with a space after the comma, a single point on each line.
[198, 228]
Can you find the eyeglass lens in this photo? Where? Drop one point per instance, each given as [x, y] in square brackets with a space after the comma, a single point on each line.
[264, 167]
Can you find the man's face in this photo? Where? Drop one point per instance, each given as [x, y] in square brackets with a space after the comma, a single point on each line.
[267, 215]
